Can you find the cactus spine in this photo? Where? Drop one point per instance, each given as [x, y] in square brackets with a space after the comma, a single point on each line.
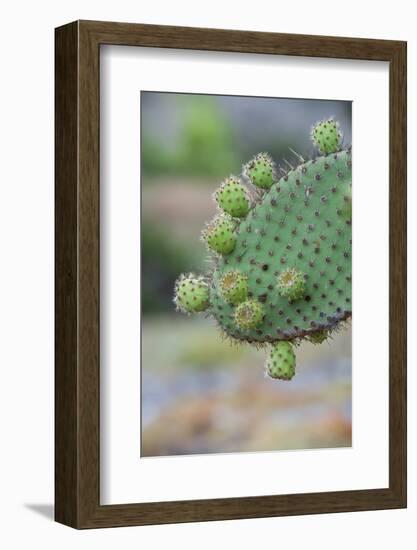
[283, 264]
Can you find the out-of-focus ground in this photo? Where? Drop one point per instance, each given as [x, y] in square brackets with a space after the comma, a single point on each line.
[204, 395]
[200, 394]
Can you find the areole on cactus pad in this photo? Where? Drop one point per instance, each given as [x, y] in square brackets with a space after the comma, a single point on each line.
[283, 253]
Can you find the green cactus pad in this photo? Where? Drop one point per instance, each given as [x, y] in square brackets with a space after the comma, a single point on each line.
[219, 235]
[326, 136]
[234, 287]
[248, 314]
[281, 362]
[232, 198]
[290, 284]
[191, 294]
[298, 224]
[260, 171]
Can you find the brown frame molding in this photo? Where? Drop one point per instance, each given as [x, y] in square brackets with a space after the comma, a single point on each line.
[77, 362]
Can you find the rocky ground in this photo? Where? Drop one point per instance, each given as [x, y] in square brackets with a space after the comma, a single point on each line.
[202, 395]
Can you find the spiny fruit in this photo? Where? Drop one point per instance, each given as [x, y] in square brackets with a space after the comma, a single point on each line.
[260, 170]
[281, 361]
[282, 272]
[234, 287]
[191, 293]
[291, 284]
[248, 314]
[219, 234]
[326, 136]
[232, 197]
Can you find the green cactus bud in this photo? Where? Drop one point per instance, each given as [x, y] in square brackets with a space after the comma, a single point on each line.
[191, 293]
[232, 197]
[260, 170]
[281, 361]
[291, 284]
[248, 314]
[318, 337]
[326, 136]
[234, 287]
[219, 235]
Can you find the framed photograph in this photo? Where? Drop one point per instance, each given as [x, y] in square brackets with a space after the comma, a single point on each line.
[224, 201]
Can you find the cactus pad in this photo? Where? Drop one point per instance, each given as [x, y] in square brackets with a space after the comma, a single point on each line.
[283, 272]
[299, 224]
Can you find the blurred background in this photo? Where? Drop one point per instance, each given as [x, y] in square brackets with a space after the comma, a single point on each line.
[199, 393]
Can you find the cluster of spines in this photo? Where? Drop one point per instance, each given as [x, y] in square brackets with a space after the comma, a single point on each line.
[291, 284]
[319, 336]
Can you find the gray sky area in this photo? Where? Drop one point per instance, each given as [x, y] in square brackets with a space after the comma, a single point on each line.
[256, 122]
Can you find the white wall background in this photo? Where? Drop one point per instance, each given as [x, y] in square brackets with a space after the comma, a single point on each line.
[26, 273]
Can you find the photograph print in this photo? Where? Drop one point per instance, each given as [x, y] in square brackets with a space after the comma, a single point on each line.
[246, 274]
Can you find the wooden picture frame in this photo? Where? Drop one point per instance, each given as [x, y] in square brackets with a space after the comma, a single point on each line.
[77, 405]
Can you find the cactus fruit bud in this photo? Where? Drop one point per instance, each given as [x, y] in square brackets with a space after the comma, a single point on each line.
[326, 136]
[219, 235]
[191, 294]
[234, 287]
[232, 198]
[260, 170]
[318, 337]
[290, 284]
[248, 314]
[281, 361]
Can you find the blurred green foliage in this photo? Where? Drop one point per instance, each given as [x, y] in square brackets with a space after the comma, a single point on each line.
[162, 260]
[209, 351]
[205, 145]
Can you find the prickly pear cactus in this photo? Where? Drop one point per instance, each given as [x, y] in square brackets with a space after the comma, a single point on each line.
[282, 253]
